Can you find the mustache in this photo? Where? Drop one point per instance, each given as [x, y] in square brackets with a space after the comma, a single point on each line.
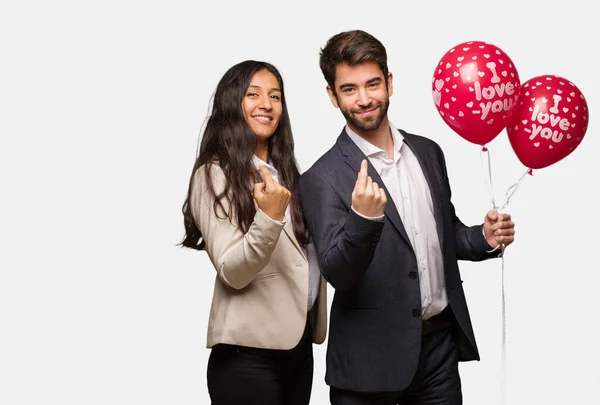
[366, 108]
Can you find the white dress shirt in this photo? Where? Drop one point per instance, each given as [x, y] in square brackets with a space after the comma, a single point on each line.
[404, 179]
[314, 272]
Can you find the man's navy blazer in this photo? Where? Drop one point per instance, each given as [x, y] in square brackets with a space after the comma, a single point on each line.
[375, 323]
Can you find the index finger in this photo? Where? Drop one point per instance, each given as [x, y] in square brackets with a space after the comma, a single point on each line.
[268, 178]
[361, 180]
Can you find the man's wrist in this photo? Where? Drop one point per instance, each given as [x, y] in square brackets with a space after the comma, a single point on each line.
[377, 218]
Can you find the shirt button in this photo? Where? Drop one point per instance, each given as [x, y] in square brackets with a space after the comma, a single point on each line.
[412, 275]
[270, 244]
[416, 312]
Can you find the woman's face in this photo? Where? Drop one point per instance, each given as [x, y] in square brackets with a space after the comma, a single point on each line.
[262, 104]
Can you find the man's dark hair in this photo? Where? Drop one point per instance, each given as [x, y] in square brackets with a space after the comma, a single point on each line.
[351, 47]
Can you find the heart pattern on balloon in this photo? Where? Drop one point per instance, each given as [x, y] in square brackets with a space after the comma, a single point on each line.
[548, 126]
[475, 88]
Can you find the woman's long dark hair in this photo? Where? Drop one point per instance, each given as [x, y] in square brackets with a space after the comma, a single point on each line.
[228, 141]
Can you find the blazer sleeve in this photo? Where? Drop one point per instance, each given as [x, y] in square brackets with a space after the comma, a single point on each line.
[237, 256]
[345, 241]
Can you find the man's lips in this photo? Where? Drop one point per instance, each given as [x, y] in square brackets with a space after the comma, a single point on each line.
[367, 112]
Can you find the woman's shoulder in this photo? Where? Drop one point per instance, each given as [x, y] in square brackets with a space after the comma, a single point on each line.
[212, 169]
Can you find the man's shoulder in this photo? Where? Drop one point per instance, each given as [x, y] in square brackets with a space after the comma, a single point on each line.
[423, 143]
[420, 140]
[326, 162]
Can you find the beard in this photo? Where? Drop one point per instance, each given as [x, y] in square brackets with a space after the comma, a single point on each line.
[369, 123]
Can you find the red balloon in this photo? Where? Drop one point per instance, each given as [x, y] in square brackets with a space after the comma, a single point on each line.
[550, 121]
[475, 88]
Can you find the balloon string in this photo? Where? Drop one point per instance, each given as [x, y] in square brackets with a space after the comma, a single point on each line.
[490, 186]
[503, 381]
[509, 193]
[488, 178]
[511, 190]
[489, 183]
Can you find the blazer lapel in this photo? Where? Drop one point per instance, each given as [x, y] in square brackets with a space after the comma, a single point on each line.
[290, 234]
[429, 171]
[353, 157]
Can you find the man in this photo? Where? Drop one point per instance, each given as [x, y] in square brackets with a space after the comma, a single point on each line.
[378, 207]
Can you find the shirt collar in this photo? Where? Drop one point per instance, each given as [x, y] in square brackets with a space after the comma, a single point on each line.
[371, 150]
[259, 162]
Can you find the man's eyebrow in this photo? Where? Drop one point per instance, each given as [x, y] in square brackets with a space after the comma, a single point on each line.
[370, 81]
[374, 80]
[345, 85]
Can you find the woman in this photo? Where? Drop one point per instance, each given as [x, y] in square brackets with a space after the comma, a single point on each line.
[242, 207]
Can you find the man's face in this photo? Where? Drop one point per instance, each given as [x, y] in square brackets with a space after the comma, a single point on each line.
[361, 95]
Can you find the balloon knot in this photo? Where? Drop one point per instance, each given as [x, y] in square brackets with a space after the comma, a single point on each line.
[530, 172]
[484, 148]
